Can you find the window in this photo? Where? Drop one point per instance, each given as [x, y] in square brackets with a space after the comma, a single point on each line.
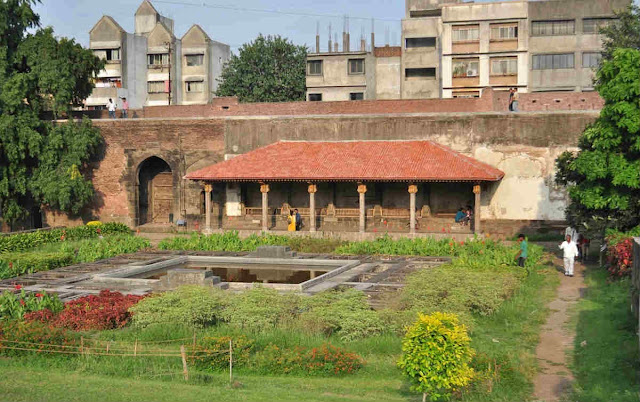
[547, 28]
[315, 97]
[594, 25]
[356, 96]
[195, 86]
[160, 59]
[553, 61]
[465, 33]
[356, 66]
[420, 42]
[506, 66]
[502, 32]
[465, 68]
[425, 13]
[194, 59]
[156, 87]
[591, 59]
[429, 72]
[314, 67]
[108, 54]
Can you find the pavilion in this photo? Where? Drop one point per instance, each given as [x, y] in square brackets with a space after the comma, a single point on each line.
[359, 181]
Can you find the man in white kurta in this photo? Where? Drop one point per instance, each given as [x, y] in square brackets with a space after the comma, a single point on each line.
[570, 252]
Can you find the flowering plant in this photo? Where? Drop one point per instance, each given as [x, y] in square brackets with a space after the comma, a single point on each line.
[619, 257]
[15, 306]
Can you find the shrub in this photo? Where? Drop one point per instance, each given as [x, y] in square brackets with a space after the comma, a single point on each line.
[16, 306]
[436, 355]
[212, 353]
[261, 308]
[107, 310]
[26, 241]
[324, 360]
[196, 306]
[33, 335]
[344, 311]
[20, 263]
[106, 247]
[620, 256]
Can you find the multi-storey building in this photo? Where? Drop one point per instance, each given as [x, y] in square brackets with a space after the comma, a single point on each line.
[452, 48]
[151, 66]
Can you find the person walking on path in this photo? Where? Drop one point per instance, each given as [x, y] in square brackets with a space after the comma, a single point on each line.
[125, 108]
[524, 250]
[292, 221]
[570, 252]
[111, 107]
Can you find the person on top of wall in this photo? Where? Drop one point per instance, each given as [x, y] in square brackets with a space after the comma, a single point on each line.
[514, 100]
[125, 108]
[570, 252]
[298, 220]
[460, 216]
[111, 107]
[511, 99]
[292, 221]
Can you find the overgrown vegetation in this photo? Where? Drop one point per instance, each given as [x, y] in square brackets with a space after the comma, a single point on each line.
[605, 366]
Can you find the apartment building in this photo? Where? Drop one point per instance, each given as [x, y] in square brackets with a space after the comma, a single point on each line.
[152, 66]
[452, 48]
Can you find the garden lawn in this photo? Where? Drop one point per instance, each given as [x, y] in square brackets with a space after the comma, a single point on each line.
[606, 366]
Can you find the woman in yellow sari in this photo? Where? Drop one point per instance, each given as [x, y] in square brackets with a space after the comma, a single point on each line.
[292, 222]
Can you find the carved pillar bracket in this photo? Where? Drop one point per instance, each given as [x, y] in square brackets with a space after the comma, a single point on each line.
[413, 189]
[312, 189]
[362, 189]
[264, 189]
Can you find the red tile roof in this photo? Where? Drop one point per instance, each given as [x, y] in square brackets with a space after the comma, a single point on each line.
[350, 161]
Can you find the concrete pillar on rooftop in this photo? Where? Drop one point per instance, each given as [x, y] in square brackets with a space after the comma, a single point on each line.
[413, 189]
[476, 209]
[264, 189]
[207, 206]
[362, 189]
[312, 207]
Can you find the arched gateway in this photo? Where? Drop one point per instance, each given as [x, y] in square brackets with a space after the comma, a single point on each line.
[155, 191]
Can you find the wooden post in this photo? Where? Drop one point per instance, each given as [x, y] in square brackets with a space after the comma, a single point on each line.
[108, 344]
[82, 345]
[194, 341]
[264, 189]
[230, 362]
[413, 189]
[312, 207]
[362, 189]
[207, 206]
[135, 348]
[476, 209]
[184, 363]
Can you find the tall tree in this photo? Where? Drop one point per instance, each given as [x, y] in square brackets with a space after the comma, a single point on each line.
[42, 162]
[268, 69]
[624, 33]
[603, 179]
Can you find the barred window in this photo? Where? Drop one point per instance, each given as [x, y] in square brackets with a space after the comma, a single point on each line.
[194, 59]
[506, 66]
[504, 32]
[591, 59]
[315, 97]
[465, 68]
[356, 96]
[417, 73]
[195, 86]
[594, 25]
[465, 33]
[108, 54]
[548, 28]
[159, 59]
[156, 87]
[553, 61]
[314, 67]
[356, 66]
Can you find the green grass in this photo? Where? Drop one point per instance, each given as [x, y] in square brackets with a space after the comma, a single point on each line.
[606, 368]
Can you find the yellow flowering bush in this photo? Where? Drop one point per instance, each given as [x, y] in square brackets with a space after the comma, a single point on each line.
[436, 353]
[94, 223]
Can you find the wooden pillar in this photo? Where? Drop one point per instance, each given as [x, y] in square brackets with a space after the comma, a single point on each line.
[476, 209]
[264, 189]
[312, 207]
[207, 206]
[413, 189]
[362, 189]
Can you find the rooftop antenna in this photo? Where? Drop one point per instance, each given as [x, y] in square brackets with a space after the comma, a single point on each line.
[317, 36]
[363, 43]
[335, 43]
[373, 36]
[348, 35]
[330, 48]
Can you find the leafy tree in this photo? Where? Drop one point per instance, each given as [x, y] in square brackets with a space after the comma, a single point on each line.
[625, 33]
[268, 69]
[603, 179]
[42, 162]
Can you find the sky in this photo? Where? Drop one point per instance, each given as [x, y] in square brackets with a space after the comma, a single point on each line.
[234, 22]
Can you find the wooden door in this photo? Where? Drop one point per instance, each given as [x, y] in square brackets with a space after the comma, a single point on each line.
[161, 197]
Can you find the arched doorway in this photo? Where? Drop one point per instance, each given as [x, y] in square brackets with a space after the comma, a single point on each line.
[155, 191]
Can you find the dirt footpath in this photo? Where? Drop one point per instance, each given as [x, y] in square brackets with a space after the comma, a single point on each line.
[556, 340]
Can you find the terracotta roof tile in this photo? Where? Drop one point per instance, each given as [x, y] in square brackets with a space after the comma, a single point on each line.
[350, 161]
